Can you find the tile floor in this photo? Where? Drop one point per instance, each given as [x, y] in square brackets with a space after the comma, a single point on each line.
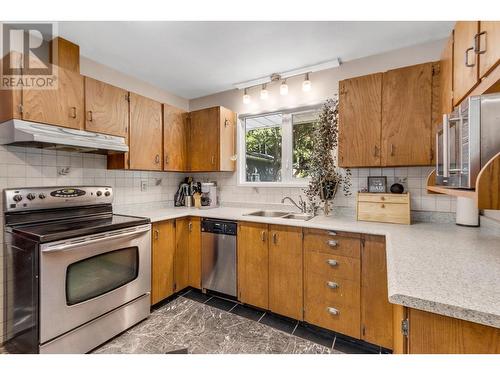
[199, 323]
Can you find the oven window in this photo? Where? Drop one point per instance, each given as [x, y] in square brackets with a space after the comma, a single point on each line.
[100, 274]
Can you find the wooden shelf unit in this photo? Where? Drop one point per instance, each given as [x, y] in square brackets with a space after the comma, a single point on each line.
[487, 191]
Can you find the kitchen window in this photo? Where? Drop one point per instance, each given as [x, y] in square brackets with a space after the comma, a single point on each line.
[277, 148]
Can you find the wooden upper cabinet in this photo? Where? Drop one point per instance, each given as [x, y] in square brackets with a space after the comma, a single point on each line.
[360, 116]
[465, 61]
[253, 264]
[145, 144]
[446, 77]
[376, 311]
[174, 139]
[162, 260]
[106, 108]
[406, 116]
[286, 271]
[489, 46]
[63, 106]
[211, 141]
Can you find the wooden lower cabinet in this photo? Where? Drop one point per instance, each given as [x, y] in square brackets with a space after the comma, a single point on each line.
[285, 271]
[253, 264]
[181, 258]
[437, 334]
[376, 311]
[162, 261]
[194, 252]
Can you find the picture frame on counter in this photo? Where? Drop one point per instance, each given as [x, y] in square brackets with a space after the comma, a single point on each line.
[377, 184]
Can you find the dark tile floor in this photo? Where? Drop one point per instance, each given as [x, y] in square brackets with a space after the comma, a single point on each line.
[198, 323]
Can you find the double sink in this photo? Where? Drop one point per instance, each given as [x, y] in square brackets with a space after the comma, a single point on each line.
[281, 215]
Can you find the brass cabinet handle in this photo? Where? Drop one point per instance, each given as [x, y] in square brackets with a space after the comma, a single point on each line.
[156, 234]
[392, 149]
[263, 236]
[382, 205]
[333, 310]
[73, 112]
[332, 233]
[166, 159]
[332, 285]
[375, 151]
[467, 63]
[331, 243]
[275, 238]
[477, 39]
[332, 262]
[226, 123]
[213, 159]
[190, 226]
[157, 159]
[89, 116]
[382, 198]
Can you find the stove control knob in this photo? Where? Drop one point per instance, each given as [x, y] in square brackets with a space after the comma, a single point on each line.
[99, 193]
[31, 196]
[107, 193]
[17, 198]
[41, 196]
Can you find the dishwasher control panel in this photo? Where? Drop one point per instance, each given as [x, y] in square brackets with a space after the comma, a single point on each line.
[219, 227]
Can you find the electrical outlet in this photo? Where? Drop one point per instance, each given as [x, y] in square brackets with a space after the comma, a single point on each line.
[144, 185]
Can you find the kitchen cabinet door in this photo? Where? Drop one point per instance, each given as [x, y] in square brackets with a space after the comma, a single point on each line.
[106, 108]
[376, 311]
[63, 106]
[360, 116]
[162, 264]
[489, 46]
[285, 271]
[437, 334]
[181, 258]
[465, 61]
[194, 252]
[446, 77]
[146, 132]
[406, 116]
[174, 139]
[204, 128]
[253, 264]
[227, 139]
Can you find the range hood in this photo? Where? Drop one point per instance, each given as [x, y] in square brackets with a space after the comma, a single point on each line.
[32, 134]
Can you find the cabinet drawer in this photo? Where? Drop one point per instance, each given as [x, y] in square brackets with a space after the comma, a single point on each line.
[384, 212]
[334, 291]
[332, 266]
[383, 198]
[343, 320]
[332, 242]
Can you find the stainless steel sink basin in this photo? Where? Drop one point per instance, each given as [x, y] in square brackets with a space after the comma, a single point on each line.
[265, 213]
[301, 216]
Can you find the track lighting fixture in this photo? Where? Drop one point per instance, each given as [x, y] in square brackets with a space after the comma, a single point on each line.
[306, 85]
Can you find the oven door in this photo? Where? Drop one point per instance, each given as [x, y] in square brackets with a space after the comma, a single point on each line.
[86, 277]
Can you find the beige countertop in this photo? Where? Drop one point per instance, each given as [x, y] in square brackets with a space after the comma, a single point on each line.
[440, 268]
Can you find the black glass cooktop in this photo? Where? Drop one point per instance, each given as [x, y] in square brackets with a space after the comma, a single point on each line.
[62, 229]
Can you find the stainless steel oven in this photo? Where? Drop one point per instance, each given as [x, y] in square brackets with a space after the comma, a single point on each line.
[83, 278]
[78, 274]
[467, 139]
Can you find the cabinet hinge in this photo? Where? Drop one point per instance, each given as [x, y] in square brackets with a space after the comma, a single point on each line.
[405, 327]
[21, 109]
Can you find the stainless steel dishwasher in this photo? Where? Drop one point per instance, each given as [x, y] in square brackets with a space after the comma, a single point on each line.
[218, 256]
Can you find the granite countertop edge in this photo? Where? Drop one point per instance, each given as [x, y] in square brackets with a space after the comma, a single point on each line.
[419, 244]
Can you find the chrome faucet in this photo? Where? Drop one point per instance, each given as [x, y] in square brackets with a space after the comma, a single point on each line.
[301, 206]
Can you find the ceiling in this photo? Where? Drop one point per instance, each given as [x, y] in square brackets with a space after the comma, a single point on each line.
[194, 59]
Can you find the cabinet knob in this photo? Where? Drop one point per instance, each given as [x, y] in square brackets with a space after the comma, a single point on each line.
[331, 243]
[157, 159]
[332, 262]
[72, 112]
[332, 285]
[333, 310]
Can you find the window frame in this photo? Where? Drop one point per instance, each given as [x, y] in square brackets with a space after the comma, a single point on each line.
[287, 179]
